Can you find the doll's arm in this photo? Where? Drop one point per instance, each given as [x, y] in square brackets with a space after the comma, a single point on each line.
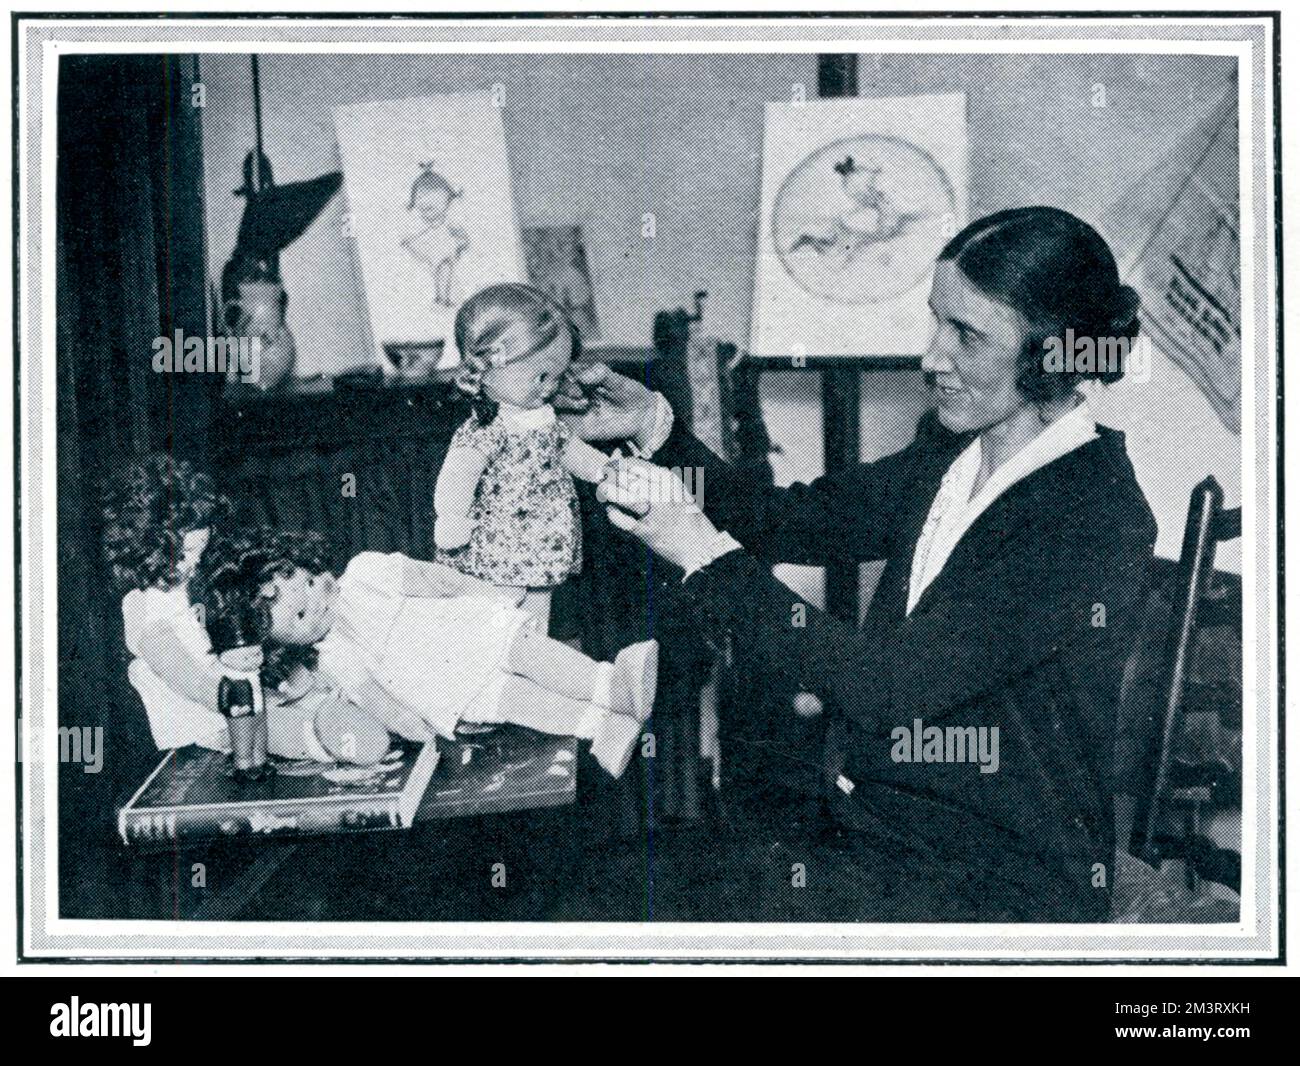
[585, 462]
[436, 581]
[183, 672]
[453, 496]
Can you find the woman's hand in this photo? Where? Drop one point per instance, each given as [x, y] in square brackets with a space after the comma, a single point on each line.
[601, 405]
[670, 522]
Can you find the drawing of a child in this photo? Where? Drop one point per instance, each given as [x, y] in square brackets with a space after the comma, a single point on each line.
[441, 243]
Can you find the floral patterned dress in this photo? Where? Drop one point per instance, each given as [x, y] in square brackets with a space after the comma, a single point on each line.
[527, 525]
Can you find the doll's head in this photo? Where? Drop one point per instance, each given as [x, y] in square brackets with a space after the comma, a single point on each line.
[254, 586]
[158, 514]
[516, 345]
[431, 196]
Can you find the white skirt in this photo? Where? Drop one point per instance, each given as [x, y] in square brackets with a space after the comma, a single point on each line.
[442, 655]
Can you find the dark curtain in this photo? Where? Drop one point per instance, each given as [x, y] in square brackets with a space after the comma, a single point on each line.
[131, 267]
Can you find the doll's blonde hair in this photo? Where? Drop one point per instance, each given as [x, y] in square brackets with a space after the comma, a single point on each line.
[505, 322]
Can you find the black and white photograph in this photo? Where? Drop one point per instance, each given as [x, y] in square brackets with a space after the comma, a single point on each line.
[721, 489]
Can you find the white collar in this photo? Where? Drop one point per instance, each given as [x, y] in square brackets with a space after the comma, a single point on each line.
[1072, 430]
[525, 418]
[955, 509]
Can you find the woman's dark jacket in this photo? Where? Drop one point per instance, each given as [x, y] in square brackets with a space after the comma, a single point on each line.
[1026, 628]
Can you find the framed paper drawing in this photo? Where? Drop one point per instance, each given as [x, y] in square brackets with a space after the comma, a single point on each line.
[430, 206]
[556, 258]
[858, 197]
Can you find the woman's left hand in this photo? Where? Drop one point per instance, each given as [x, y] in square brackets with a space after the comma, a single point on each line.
[671, 523]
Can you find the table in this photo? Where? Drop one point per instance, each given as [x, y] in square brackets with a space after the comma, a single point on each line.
[478, 777]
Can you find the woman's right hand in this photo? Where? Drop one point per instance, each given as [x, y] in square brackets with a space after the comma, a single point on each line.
[601, 405]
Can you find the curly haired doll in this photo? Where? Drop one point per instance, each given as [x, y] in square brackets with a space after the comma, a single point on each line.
[228, 586]
[421, 648]
[159, 515]
[505, 505]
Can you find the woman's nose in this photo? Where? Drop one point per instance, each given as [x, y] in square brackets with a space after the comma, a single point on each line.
[936, 359]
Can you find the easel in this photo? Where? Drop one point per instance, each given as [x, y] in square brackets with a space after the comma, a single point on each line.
[837, 75]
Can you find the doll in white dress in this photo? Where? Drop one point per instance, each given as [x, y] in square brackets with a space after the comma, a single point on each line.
[422, 662]
[505, 505]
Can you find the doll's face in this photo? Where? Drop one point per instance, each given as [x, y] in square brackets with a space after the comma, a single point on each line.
[193, 545]
[533, 380]
[302, 606]
[432, 206]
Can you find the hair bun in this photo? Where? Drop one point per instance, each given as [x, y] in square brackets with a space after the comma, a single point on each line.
[1124, 312]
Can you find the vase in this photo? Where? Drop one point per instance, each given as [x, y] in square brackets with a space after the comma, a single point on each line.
[257, 313]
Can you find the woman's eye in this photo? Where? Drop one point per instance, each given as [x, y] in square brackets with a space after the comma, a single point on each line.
[541, 378]
[302, 615]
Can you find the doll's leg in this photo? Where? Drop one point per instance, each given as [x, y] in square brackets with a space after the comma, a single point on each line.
[350, 733]
[522, 701]
[626, 685]
[323, 727]
[554, 665]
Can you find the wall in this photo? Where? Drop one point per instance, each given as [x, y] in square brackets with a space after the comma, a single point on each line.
[1037, 138]
[594, 139]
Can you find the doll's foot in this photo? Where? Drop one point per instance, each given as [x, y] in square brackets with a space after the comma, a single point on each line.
[615, 741]
[636, 677]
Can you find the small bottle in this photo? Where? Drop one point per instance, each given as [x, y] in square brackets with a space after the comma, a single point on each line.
[239, 698]
[235, 629]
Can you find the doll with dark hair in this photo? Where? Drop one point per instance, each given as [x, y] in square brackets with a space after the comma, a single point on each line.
[305, 717]
[158, 516]
[421, 647]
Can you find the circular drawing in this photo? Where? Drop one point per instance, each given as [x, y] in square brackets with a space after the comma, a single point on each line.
[862, 219]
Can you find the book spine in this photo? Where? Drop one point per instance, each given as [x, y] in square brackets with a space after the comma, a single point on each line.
[312, 816]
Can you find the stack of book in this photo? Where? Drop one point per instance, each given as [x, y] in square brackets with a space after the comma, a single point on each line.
[192, 795]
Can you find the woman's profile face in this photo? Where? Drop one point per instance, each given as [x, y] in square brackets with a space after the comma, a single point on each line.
[970, 366]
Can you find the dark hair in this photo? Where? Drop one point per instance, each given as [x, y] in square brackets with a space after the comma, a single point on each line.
[228, 583]
[1059, 274]
[147, 509]
[485, 320]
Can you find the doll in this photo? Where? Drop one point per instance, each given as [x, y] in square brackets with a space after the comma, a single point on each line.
[441, 243]
[158, 516]
[506, 509]
[227, 584]
[158, 519]
[422, 662]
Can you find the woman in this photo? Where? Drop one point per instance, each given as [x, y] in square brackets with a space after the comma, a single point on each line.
[973, 713]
